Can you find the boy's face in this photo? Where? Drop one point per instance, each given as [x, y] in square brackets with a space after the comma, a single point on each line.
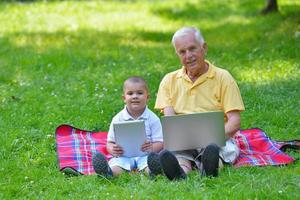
[135, 97]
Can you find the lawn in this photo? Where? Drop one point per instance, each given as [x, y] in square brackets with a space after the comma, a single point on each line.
[65, 61]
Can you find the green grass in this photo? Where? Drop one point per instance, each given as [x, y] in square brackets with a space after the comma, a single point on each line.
[65, 61]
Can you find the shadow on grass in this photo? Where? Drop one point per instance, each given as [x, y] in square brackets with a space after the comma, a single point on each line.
[249, 34]
[82, 72]
[71, 75]
[207, 10]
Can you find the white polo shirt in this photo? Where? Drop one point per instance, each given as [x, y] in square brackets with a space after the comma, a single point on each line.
[152, 124]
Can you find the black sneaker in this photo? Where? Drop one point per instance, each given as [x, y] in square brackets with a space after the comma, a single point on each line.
[100, 165]
[154, 164]
[210, 160]
[170, 166]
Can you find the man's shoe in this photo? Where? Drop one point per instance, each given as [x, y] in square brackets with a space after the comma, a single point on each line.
[101, 166]
[170, 166]
[210, 160]
[154, 164]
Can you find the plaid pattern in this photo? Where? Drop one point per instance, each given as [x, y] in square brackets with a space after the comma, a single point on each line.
[76, 147]
[257, 149]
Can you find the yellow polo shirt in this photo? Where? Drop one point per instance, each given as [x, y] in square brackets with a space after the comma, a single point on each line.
[216, 90]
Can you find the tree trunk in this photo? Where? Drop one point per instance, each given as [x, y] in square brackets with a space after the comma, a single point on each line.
[271, 6]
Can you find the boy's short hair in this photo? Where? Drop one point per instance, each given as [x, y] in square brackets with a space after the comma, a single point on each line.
[135, 79]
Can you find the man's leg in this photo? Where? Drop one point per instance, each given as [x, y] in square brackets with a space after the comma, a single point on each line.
[170, 166]
[185, 164]
[101, 166]
[210, 160]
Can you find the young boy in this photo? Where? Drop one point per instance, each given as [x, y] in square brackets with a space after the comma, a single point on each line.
[135, 96]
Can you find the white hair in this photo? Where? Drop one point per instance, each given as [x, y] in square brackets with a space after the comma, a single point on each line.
[187, 30]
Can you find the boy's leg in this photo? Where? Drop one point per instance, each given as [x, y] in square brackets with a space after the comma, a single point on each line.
[120, 164]
[100, 165]
[116, 170]
[141, 164]
[154, 167]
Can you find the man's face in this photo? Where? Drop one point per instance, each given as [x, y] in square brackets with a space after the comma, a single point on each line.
[190, 52]
[135, 96]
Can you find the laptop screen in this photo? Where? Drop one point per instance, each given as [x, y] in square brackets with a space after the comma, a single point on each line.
[192, 131]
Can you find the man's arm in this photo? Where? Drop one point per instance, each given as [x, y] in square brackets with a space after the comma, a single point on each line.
[233, 124]
[168, 111]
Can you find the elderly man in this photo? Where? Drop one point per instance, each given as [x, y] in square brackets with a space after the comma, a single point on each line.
[198, 86]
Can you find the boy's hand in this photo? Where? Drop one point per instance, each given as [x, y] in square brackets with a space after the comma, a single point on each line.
[115, 149]
[147, 146]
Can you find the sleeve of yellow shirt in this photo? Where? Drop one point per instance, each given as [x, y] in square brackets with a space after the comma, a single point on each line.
[231, 97]
[163, 98]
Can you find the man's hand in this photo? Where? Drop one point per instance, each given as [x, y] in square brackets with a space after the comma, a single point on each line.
[114, 149]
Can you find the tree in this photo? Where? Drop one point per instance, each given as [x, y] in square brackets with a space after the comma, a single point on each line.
[271, 6]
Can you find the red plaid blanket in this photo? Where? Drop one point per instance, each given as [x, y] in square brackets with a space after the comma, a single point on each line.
[257, 149]
[75, 148]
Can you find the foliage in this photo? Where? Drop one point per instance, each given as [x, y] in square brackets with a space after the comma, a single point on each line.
[65, 61]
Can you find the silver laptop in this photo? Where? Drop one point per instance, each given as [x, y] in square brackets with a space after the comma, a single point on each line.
[130, 135]
[192, 131]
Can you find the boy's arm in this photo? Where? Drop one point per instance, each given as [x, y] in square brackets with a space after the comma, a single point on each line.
[152, 146]
[155, 142]
[114, 149]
